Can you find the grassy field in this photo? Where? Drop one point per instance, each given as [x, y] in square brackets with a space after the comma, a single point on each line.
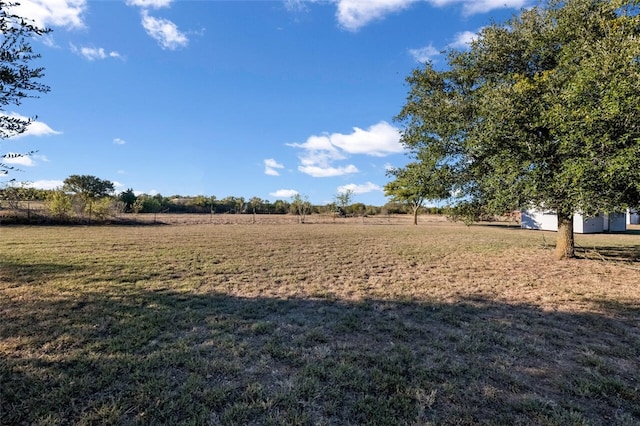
[317, 324]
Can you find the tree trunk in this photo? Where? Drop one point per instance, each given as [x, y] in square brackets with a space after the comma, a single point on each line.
[565, 245]
[415, 215]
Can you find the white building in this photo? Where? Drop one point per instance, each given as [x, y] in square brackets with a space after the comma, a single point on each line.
[547, 220]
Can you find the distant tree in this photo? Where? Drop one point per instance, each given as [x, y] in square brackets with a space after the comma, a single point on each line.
[280, 207]
[343, 200]
[418, 182]
[18, 80]
[87, 189]
[240, 206]
[540, 111]
[14, 194]
[147, 204]
[59, 204]
[256, 204]
[300, 206]
[128, 197]
[103, 208]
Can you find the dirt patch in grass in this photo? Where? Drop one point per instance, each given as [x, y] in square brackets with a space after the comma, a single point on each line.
[346, 323]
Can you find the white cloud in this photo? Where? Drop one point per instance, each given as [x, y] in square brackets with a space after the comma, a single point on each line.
[165, 32]
[151, 4]
[378, 140]
[463, 40]
[294, 5]
[119, 141]
[45, 184]
[23, 159]
[352, 15]
[57, 13]
[328, 171]
[360, 189]
[17, 159]
[321, 152]
[93, 53]
[424, 54]
[355, 14]
[284, 193]
[35, 128]
[270, 166]
[471, 7]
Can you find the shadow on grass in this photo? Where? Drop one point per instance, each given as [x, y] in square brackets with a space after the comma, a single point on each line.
[612, 253]
[135, 356]
[23, 273]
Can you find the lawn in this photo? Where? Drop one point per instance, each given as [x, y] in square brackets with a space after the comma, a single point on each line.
[345, 323]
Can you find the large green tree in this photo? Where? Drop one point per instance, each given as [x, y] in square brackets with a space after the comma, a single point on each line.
[541, 111]
[18, 79]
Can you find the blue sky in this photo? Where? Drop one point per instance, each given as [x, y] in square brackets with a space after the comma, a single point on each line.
[242, 98]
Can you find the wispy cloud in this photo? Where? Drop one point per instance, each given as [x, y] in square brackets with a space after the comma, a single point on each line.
[149, 4]
[45, 184]
[284, 193]
[119, 141]
[270, 166]
[165, 32]
[472, 7]
[321, 152]
[93, 53]
[17, 159]
[23, 160]
[352, 15]
[328, 171]
[360, 189]
[463, 40]
[56, 13]
[355, 14]
[424, 54]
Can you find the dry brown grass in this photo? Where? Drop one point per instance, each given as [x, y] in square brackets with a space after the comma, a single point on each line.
[321, 323]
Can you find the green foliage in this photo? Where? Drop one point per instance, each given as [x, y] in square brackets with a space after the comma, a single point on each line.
[300, 206]
[102, 208]
[542, 110]
[88, 187]
[59, 204]
[418, 182]
[18, 80]
[344, 198]
[147, 204]
[128, 197]
[14, 195]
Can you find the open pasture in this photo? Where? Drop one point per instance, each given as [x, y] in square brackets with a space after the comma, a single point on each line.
[317, 324]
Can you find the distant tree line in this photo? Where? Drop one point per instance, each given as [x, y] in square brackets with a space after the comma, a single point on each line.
[88, 198]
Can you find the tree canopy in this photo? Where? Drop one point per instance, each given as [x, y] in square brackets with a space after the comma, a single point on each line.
[88, 187]
[18, 79]
[418, 182]
[541, 111]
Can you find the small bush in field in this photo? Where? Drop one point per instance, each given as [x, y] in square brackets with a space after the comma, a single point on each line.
[59, 204]
[101, 208]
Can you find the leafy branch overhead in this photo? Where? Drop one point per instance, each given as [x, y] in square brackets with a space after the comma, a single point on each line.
[541, 111]
[18, 79]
